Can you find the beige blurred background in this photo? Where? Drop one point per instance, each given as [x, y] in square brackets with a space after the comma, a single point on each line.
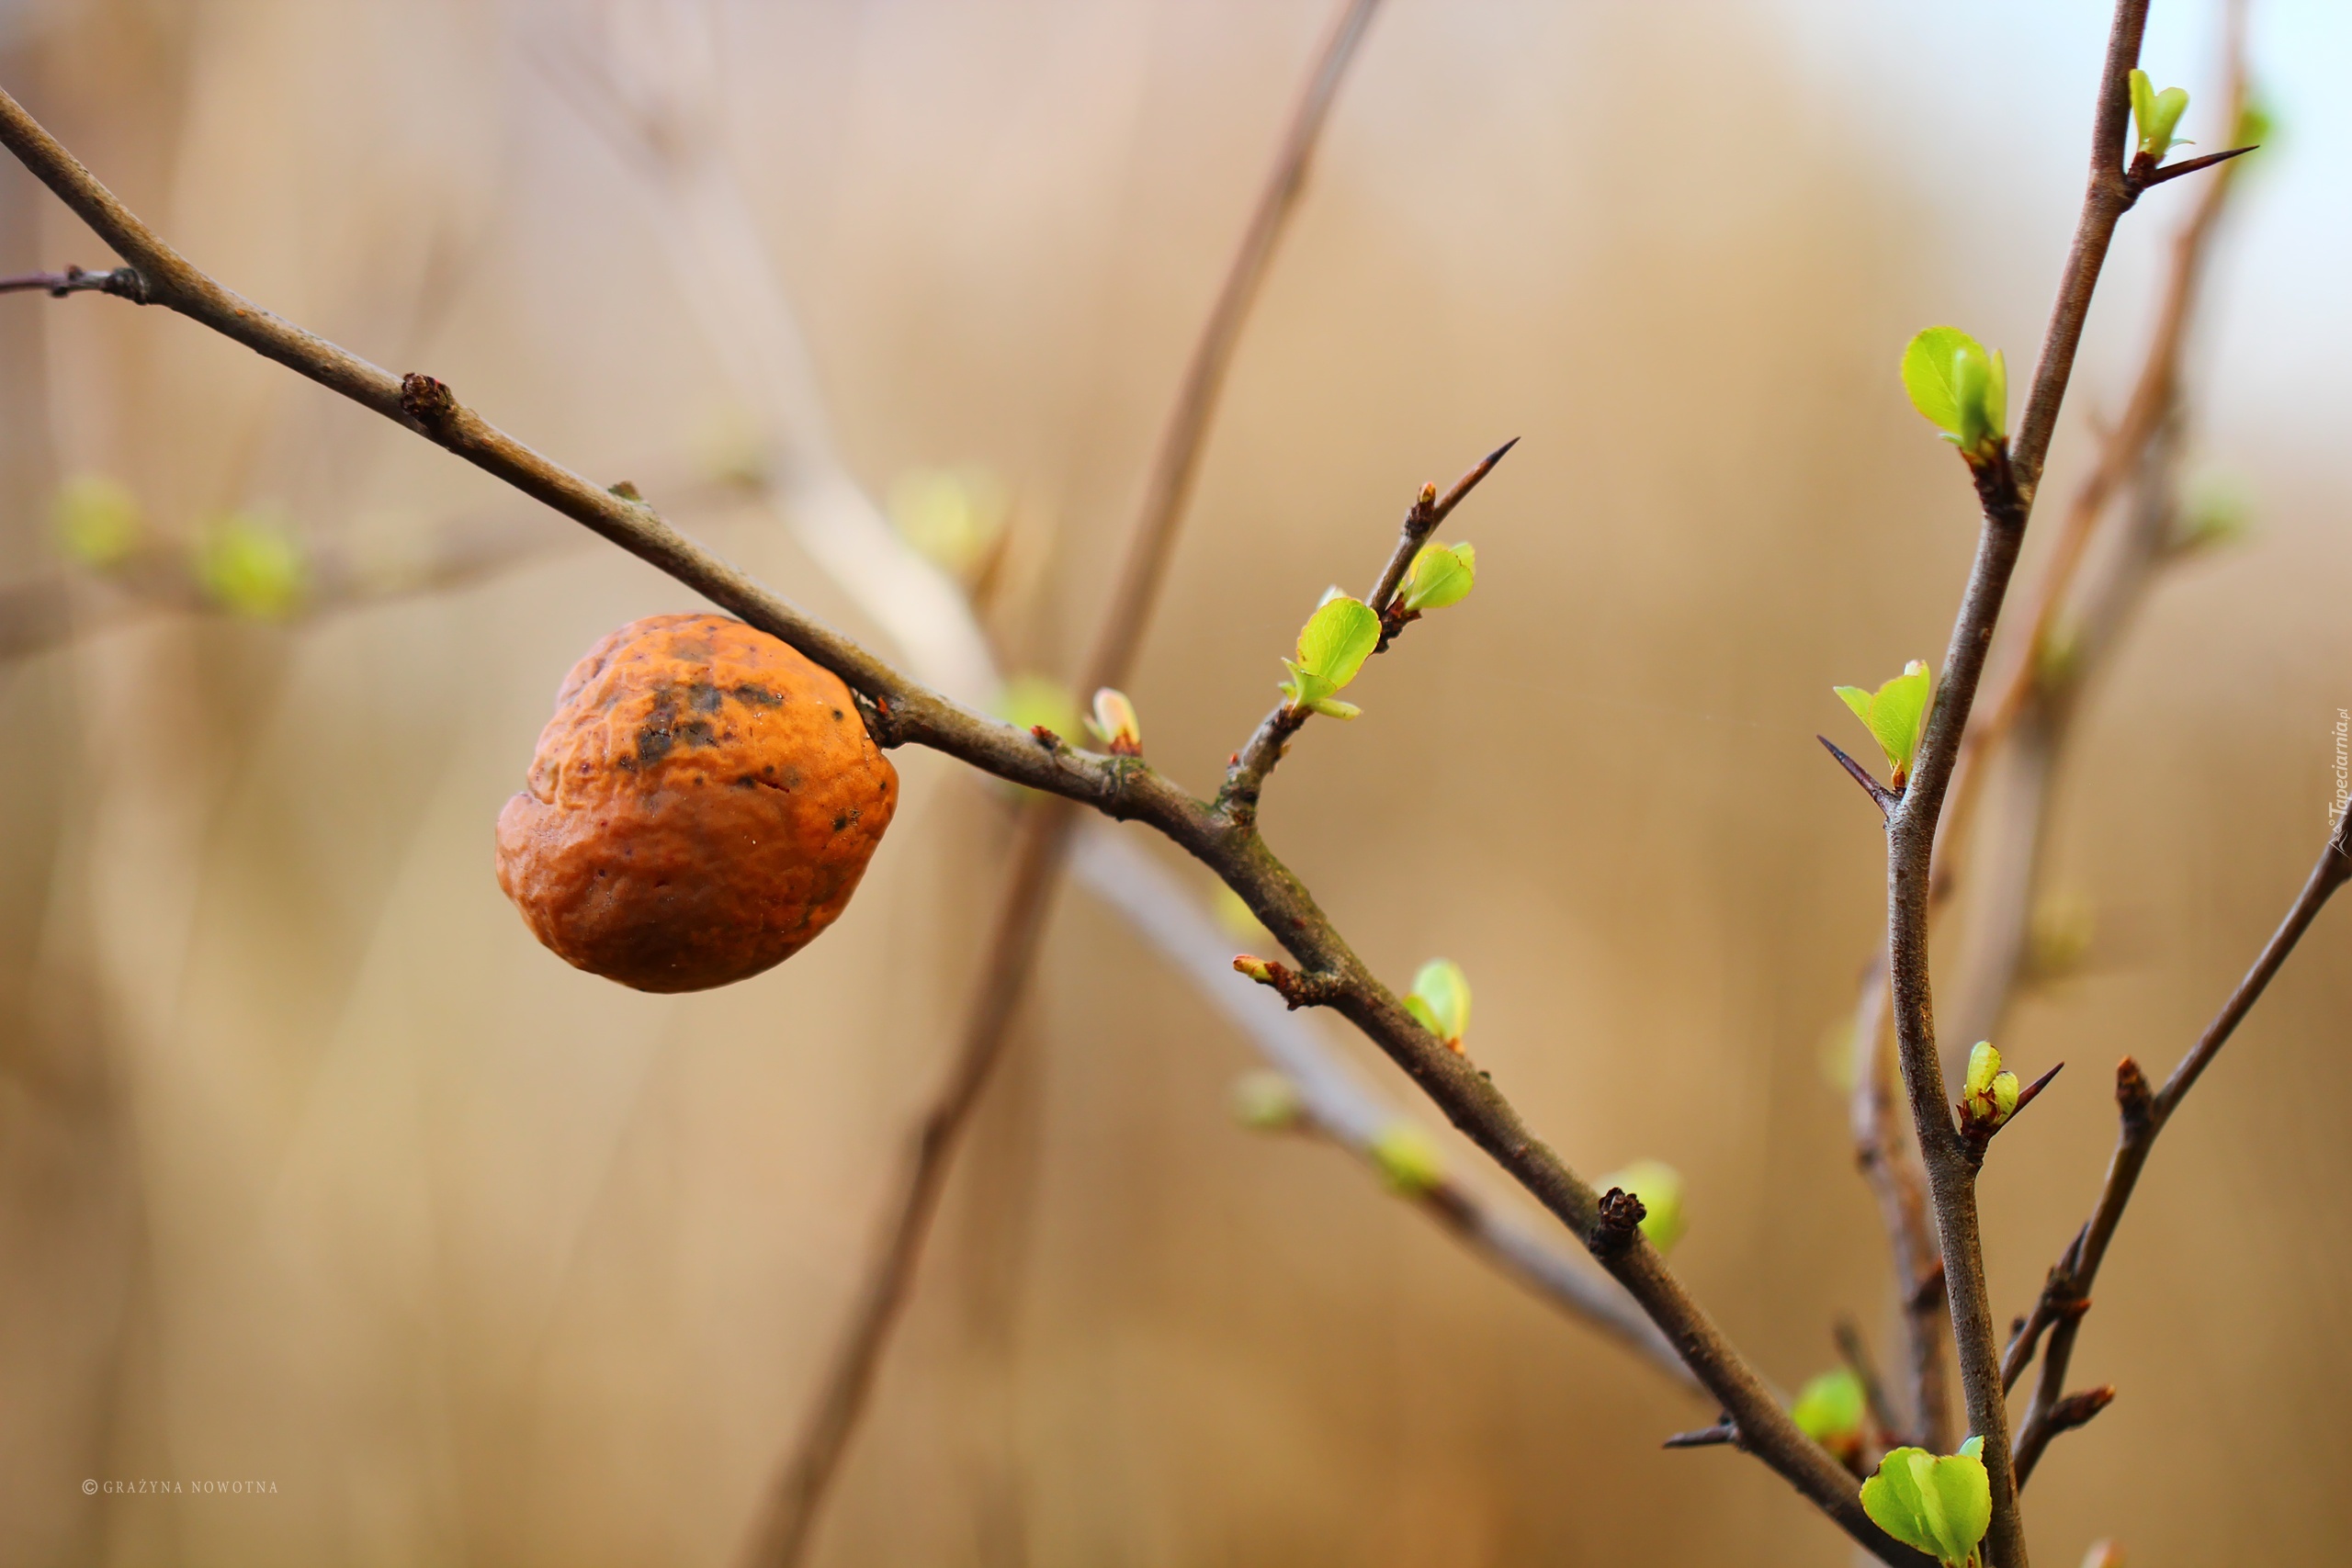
[316, 1172]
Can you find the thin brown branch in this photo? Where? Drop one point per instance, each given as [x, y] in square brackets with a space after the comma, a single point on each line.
[2066, 1297]
[783, 1529]
[1890, 1164]
[901, 712]
[2076, 624]
[2005, 486]
[1245, 775]
[123, 282]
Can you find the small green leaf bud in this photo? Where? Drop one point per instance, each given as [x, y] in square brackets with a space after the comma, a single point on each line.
[1410, 1161]
[1942, 1506]
[1992, 1096]
[1116, 723]
[1440, 1000]
[1830, 1410]
[2157, 114]
[252, 568]
[1440, 575]
[1332, 647]
[1266, 1101]
[1960, 388]
[1895, 714]
[97, 521]
[1659, 1187]
[1258, 969]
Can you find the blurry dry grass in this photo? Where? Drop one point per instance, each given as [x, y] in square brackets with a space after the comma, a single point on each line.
[315, 1170]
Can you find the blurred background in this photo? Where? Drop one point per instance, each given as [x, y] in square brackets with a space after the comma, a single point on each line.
[316, 1172]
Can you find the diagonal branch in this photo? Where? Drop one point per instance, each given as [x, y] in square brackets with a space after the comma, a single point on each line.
[2066, 1297]
[901, 712]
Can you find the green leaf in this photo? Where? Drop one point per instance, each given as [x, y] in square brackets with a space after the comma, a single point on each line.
[1659, 1187]
[252, 568]
[1440, 575]
[1894, 714]
[2157, 114]
[1332, 647]
[1940, 1506]
[97, 521]
[1957, 385]
[1409, 1161]
[1441, 1000]
[1984, 1065]
[1829, 1410]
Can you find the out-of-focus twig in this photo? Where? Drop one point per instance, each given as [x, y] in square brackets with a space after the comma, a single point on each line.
[1338, 1104]
[782, 1532]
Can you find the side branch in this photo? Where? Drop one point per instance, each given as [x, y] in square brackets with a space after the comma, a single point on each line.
[2066, 1297]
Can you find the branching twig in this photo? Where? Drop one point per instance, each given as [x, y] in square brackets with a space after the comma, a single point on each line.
[901, 712]
[2004, 485]
[2066, 1297]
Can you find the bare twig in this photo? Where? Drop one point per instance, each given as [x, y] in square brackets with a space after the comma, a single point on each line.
[123, 282]
[1890, 1164]
[2005, 486]
[2066, 1297]
[902, 712]
[782, 1532]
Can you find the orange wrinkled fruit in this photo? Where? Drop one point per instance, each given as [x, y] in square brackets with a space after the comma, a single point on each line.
[701, 806]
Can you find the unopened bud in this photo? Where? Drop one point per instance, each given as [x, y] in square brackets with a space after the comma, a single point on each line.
[1116, 722]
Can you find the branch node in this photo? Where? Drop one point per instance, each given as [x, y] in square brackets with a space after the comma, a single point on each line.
[1297, 990]
[428, 403]
[1617, 1221]
[1885, 799]
[2135, 1102]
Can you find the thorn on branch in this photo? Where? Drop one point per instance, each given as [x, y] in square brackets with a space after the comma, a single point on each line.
[428, 403]
[1884, 798]
[1725, 1431]
[2189, 166]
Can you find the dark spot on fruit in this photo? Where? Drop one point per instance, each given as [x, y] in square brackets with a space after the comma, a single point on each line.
[758, 697]
[841, 823]
[837, 713]
[704, 697]
[697, 732]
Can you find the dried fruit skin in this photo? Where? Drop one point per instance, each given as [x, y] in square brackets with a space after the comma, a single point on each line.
[701, 806]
